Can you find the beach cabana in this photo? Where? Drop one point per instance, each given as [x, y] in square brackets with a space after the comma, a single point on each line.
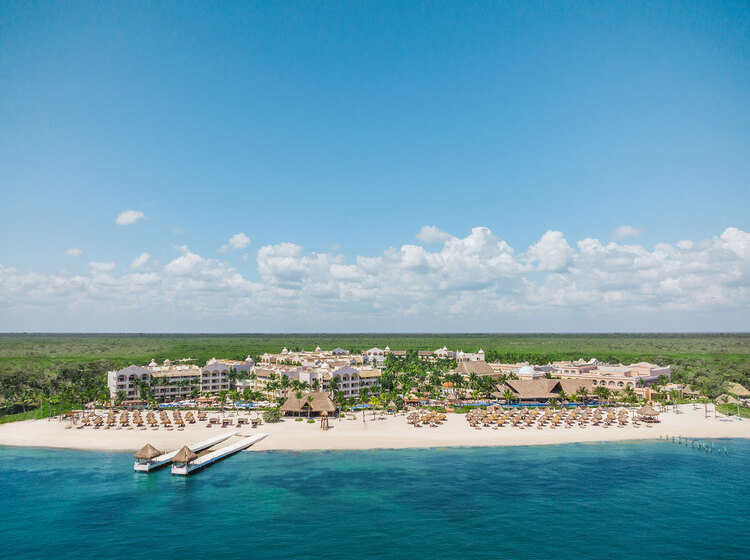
[648, 413]
[184, 455]
[147, 452]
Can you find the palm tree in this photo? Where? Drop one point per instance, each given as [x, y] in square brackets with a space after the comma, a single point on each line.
[563, 396]
[309, 405]
[340, 399]
[508, 395]
[582, 392]
[473, 381]
[602, 392]
[285, 384]
[334, 383]
[364, 398]
[552, 402]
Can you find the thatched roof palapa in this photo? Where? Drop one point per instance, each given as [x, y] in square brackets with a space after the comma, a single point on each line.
[479, 367]
[647, 410]
[147, 452]
[321, 401]
[729, 399]
[184, 455]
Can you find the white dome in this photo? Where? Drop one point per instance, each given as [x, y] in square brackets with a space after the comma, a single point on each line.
[526, 370]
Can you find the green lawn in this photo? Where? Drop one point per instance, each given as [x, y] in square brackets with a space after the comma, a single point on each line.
[44, 411]
[731, 410]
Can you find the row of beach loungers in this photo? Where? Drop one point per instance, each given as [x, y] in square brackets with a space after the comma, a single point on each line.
[495, 417]
[136, 419]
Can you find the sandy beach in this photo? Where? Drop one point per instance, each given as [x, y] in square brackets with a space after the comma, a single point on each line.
[392, 432]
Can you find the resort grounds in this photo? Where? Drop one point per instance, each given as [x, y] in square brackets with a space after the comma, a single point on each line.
[384, 431]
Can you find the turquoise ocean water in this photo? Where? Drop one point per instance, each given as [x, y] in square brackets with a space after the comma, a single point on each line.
[613, 500]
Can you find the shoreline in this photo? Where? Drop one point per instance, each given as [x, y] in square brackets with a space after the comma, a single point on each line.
[412, 447]
[393, 432]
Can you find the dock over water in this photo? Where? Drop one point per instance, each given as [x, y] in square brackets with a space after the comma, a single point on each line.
[166, 458]
[184, 469]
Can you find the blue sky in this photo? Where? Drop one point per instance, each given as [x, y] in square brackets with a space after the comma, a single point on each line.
[329, 134]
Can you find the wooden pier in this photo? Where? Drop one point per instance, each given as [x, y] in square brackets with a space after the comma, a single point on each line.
[194, 465]
[166, 458]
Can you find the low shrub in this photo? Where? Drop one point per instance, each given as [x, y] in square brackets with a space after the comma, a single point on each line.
[271, 415]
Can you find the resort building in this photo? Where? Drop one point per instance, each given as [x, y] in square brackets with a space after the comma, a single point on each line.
[215, 374]
[615, 377]
[444, 353]
[462, 356]
[374, 356]
[173, 382]
[348, 381]
[529, 372]
[127, 380]
[368, 378]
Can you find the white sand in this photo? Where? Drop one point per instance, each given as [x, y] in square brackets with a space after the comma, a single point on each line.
[393, 432]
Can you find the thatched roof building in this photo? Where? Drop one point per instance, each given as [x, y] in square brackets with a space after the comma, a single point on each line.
[147, 452]
[729, 399]
[647, 410]
[540, 390]
[320, 402]
[184, 455]
[479, 367]
[739, 390]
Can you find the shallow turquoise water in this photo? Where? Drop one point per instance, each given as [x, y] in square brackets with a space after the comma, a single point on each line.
[614, 500]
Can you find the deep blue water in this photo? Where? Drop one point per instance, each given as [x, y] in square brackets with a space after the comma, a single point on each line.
[613, 500]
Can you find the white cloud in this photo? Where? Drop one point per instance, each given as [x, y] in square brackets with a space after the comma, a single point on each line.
[101, 267]
[73, 252]
[623, 232]
[477, 282]
[551, 252]
[140, 261]
[431, 234]
[236, 242]
[128, 217]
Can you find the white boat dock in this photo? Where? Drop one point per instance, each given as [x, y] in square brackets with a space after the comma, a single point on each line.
[185, 469]
[164, 459]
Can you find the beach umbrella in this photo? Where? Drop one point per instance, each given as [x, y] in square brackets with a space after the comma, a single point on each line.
[184, 455]
[147, 452]
[647, 410]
